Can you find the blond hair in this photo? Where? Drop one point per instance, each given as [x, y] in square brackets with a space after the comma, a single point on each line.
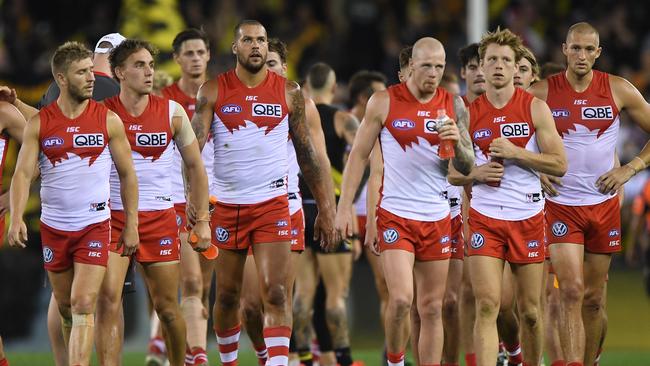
[66, 54]
[528, 55]
[501, 37]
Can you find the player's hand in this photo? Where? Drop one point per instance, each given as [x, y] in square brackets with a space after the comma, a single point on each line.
[8, 94]
[4, 203]
[130, 239]
[326, 231]
[449, 131]
[548, 184]
[491, 172]
[343, 221]
[614, 179]
[372, 240]
[17, 235]
[502, 148]
[202, 231]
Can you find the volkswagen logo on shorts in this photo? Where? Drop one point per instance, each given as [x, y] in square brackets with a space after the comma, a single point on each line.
[390, 236]
[48, 254]
[559, 229]
[477, 241]
[222, 234]
[179, 220]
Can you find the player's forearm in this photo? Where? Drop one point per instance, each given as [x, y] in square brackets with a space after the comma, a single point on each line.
[546, 163]
[129, 194]
[25, 109]
[198, 188]
[464, 159]
[457, 179]
[18, 194]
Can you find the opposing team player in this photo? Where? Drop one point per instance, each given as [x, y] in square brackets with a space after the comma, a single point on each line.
[251, 112]
[191, 53]
[514, 138]
[76, 139]
[583, 220]
[154, 126]
[414, 121]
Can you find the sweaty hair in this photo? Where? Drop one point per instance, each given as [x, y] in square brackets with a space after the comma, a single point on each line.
[120, 53]
[501, 37]
[189, 34]
[405, 56]
[550, 68]
[528, 55]
[318, 74]
[279, 47]
[68, 53]
[243, 23]
[361, 84]
[467, 54]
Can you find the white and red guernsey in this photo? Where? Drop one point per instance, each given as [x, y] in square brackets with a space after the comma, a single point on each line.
[520, 194]
[152, 149]
[75, 164]
[414, 184]
[250, 130]
[588, 123]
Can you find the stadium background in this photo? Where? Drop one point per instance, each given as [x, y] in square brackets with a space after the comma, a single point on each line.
[350, 35]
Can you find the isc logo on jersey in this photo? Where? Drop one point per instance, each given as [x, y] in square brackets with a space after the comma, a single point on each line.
[267, 110]
[151, 139]
[513, 130]
[603, 112]
[87, 140]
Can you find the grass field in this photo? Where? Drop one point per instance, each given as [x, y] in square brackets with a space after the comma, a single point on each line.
[627, 344]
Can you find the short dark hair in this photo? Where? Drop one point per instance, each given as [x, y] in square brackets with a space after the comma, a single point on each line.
[467, 54]
[405, 56]
[244, 22]
[120, 53]
[68, 53]
[279, 47]
[318, 74]
[361, 84]
[188, 34]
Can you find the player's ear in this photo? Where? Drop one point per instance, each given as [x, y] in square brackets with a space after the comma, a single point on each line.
[564, 49]
[234, 48]
[119, 74]
[598, 51]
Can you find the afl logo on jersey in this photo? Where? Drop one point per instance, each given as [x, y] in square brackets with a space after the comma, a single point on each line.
[267, 110]
[230, 109]
[94, 244]
[151, 139]
[48, 255]
[403, 124]
[88, 140]
[221, 234]
[390, 236]
[519, 129]
[477, 241]
[560, 113]
[53, 142]
[482, 134]
[166, 241]
[604, 112]
[533, 244]
[559, 229]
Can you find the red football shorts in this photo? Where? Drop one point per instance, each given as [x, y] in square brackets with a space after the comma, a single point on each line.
[457, 239]
[428, 240]
[519, 241]
[88, 246]
[298, 232]
[362, 220]
[181, 218]
[597, 227]
[158, 235]
[237, 227]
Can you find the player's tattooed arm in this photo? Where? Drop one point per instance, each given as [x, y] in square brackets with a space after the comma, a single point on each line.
[464, 160]
[204, 111]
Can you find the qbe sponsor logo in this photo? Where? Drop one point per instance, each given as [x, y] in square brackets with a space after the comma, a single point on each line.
[513, 130]
[221, 234]
[601, 112]
[267, 110]
[154, 139]
[390, 236]
[477, 241]
[559, 229]
[88, 140]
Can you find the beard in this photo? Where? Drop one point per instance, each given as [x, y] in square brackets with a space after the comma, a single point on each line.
[79, 94]
[249, 66]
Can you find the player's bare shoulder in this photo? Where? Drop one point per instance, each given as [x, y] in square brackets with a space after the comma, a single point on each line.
[378, 107]
[624, 92]
[539, 89]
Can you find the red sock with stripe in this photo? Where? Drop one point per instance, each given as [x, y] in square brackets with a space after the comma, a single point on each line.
[574, 364]
[277, 345]
[228, 341]
[395, 359]
[4, 362]
[513, 351]
[558, 363]
[261, 353]
[470, 359]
